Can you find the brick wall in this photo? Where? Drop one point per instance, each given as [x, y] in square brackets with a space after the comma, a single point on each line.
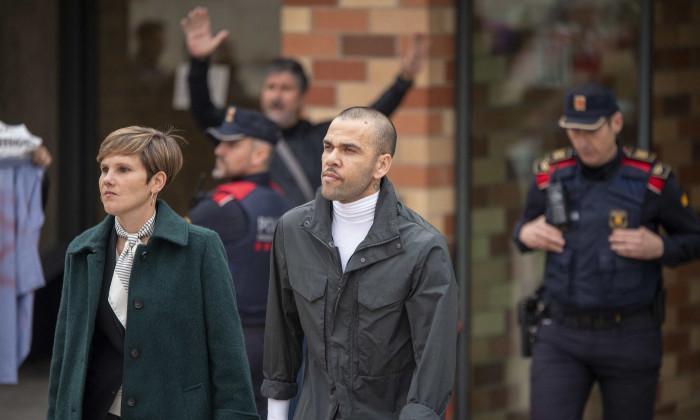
[676, 130]
[351, 50]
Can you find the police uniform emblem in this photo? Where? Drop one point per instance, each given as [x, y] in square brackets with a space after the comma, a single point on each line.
[657, 170]
[618, 219]
[559, 154]
[640, 154]
[579, 103]
[229, 113]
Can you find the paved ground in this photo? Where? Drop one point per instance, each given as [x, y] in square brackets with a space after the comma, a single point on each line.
[27, 400]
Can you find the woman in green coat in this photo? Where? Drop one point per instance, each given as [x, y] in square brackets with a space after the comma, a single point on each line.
[181, 355]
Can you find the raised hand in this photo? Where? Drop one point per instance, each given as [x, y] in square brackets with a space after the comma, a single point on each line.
[414, 56]
[197, 28]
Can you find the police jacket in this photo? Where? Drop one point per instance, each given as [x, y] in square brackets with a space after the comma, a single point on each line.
[304, 139]
[184, 350]
[244, 213]
[631, 191]
[381, 335]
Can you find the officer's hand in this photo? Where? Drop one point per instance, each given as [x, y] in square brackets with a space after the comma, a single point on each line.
[197, 28]
[413, 58]
[538, 234]
[639, 243]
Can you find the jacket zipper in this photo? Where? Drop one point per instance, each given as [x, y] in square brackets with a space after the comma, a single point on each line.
[342, 279]
[336, 253]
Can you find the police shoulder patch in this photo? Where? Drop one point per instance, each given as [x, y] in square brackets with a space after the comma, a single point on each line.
[234, 190]
[639, 154]
[661, 170]
[552, 159]
[541, 166]
[561, 154]
[557, 159]
[659, 174]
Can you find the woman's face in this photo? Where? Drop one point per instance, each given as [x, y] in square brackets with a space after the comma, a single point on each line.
[123, 186]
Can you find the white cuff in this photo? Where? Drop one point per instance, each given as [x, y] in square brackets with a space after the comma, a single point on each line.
[277, 409]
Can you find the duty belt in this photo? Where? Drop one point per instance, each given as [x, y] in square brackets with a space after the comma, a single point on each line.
[598, 320]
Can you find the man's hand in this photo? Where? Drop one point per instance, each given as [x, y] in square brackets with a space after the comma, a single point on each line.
[538, 234]
[41, 157]
[197, 28]
[639, 243]
[414, 56]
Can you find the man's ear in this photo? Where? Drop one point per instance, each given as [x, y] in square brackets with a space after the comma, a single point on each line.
[382, 166]
[616, 122]
[260, 155]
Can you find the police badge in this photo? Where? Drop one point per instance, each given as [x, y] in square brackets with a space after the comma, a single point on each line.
[618, 219]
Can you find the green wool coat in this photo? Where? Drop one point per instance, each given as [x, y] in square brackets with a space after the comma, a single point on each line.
[181, 318]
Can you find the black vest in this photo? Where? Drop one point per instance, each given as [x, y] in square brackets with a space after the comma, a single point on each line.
[588, 274]
[249, 257]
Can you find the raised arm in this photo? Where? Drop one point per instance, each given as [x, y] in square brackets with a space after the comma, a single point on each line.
[200, 45]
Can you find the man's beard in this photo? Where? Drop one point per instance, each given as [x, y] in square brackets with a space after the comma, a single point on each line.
[348, 192]
[283, 118]
[218, 174]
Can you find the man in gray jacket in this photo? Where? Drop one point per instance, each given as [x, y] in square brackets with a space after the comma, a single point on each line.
[370, 285]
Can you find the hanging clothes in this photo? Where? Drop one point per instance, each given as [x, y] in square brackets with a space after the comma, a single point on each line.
[21, 218]
[16, 141]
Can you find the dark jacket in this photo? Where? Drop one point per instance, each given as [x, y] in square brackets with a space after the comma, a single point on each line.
[381, 335]
[184, 353]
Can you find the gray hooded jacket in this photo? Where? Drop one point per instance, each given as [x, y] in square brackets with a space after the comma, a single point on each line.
[381, 335]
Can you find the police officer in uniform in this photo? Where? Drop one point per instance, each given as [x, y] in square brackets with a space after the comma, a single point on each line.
[596, 208]
[244, 213]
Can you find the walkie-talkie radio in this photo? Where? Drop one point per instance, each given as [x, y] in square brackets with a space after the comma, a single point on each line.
[558, 204]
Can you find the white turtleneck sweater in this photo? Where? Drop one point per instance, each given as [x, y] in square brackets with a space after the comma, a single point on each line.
[350, 225]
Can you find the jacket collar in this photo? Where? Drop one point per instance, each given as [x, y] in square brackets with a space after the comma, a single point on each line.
[169, 226]
[384, 228]
[262, 178]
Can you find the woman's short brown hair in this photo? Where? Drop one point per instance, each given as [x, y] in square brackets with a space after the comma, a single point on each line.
[158, 150]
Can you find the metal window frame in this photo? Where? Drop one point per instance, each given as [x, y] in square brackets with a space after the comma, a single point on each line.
[77, 117]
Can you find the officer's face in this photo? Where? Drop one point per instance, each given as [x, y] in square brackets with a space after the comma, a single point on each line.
[595, 148]
[233, 158]
[281, 99]
[352, 168]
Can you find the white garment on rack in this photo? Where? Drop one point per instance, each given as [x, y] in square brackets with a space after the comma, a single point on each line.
[16, 140]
